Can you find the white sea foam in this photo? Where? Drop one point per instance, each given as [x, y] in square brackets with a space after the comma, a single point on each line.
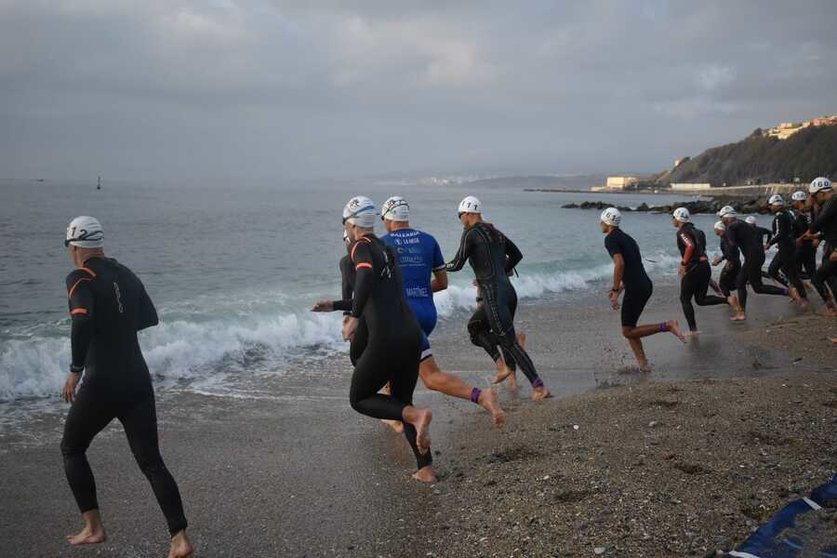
[188, 350]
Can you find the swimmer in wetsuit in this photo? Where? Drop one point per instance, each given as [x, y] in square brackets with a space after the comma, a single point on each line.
[493, 257]
[729, 273]
[108, 306]
[744, 237]
[825, 223]
[419, 258]
[806, 248]
[694, 268]
[392, 348]
[629, 276]
[785, 259]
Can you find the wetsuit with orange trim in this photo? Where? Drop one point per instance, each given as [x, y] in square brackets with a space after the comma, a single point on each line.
[695, 282]
[391, 351]
[108, 306]
[493, 257]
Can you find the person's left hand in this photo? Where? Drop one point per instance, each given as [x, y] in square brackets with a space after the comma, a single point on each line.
[69, 389]
[681, 270]
[349, 327]
[614, 300]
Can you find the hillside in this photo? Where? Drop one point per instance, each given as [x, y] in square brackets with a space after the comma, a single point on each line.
[762, 158]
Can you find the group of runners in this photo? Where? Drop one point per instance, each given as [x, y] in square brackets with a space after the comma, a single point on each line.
[389, 315]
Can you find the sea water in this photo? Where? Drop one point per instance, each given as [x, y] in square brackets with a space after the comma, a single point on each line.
[235, 268]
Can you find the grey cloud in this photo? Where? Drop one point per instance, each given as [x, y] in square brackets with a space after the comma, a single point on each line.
[314, 88]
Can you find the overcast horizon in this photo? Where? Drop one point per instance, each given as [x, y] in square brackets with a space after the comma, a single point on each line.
[327, 89]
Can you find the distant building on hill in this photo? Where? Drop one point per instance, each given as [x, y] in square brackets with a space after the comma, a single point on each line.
[621, 182]
[786, 129]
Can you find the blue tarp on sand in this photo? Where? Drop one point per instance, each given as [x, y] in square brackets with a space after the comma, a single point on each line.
[771, 539]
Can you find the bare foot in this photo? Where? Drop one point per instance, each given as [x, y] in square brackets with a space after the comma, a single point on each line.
[674, 328]
[180, 546]
[695, 334]
[833, 340]
[740, 317]
[645, 367]
[488, 401]
[426, 474]
[420, 418]
[87, 535]
[502, 373]
[512, 383]
[396, 425]
[540, 393]
[830, 311]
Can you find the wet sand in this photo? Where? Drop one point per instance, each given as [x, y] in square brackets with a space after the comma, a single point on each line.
[679, 463]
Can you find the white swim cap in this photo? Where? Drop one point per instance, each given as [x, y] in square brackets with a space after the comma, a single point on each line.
[681, 214]
[85, 232]
[720, 226]
[470, 205]
[360, 211]
[727, 211]
[396, 208]
[751, 220]
[799, 195]
[776, 199]
[611, 216]
[819, 184]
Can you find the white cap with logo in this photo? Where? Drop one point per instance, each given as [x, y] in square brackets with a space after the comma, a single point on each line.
[360, 211]
[85, 232]
[396, 208]
[470, 205]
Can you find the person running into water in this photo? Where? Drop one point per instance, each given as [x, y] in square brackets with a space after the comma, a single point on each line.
[785, 240]
[694, 268]
[806, 249]
[729, 273]
[423, 269]
[108, 305]
[745, 238]
[493, 258]
[392, 348]
[629, 276]
[825, 223]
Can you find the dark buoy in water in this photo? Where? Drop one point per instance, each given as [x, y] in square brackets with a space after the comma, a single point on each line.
[99, 183]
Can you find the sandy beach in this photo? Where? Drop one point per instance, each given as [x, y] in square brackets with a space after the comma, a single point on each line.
[684, 462]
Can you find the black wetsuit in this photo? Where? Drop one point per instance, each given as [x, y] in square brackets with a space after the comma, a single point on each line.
[806, 252]
[493, 257]
[638, 286]
[361, 335]
[108, 305]
[826, 223]
[391, 351]
[692, 245]
[744, 236]
[785, 259]
[730, 271]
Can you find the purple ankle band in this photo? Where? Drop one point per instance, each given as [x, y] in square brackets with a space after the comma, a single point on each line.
[663, 326]
[475, 395]
[538, 383]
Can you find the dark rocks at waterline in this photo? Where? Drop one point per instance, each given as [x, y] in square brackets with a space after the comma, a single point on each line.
[741, 205]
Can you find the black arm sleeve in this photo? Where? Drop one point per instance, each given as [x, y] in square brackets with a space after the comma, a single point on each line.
[781, 229]
[461, 256]
[146, 314]
[513, 255]
[81, 313]
[364, 276]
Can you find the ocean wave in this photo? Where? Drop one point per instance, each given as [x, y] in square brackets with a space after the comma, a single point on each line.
[185, 349]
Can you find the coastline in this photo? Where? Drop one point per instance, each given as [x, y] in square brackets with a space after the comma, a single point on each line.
[740, 427]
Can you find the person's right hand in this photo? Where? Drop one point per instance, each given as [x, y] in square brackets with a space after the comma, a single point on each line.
[68, 392]
[716, 261]
[323, 306]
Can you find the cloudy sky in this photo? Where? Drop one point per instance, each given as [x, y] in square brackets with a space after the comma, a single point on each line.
[334, 88]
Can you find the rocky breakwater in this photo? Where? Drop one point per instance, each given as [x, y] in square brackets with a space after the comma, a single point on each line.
[712, 206]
